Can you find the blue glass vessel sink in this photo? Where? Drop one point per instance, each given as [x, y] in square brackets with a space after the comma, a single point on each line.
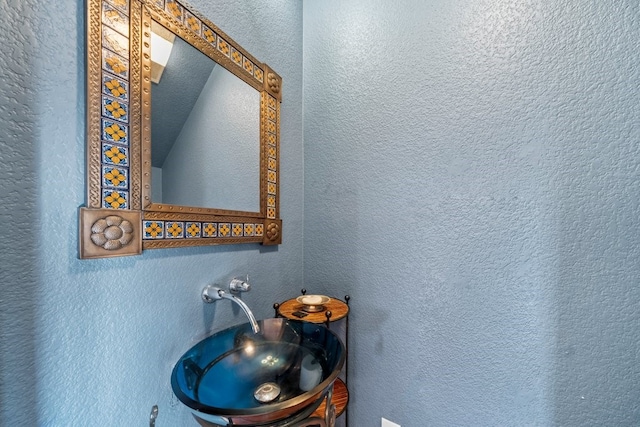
[236, 377]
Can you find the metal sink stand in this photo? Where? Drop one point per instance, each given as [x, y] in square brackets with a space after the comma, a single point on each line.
[329, 415]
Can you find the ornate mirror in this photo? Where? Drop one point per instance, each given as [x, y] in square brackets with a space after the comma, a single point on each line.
[182, 133]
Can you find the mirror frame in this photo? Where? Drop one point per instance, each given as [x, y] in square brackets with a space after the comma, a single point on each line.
[119, 217]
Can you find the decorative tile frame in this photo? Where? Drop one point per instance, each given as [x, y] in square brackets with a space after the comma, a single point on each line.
[119, 218]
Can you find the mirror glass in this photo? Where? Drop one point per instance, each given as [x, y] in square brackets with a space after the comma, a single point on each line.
[205, 130]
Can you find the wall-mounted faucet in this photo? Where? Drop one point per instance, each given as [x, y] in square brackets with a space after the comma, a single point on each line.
[212, 294]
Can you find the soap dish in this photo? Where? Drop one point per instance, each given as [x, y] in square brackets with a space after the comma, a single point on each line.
[313, 303]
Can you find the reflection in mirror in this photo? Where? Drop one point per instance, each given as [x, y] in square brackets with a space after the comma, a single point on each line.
[205, 130]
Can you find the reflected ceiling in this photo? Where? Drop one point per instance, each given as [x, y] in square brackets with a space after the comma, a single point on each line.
[175, 96]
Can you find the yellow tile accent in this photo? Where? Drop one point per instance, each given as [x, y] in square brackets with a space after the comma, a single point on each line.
[237, 230]
[248, 66]
[153, 229]
[259, 74]
[174, 229]
[209, 230]
[193, 230]
[194, 24]
[224, 230]
[223, 46]
[209, 35]
[115, 200]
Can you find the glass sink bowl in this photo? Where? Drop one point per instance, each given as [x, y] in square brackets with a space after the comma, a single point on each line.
[235, 377]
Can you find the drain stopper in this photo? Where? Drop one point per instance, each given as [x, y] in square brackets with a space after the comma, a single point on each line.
[267, 392]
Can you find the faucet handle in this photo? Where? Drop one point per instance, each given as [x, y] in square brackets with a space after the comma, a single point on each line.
[239, 285]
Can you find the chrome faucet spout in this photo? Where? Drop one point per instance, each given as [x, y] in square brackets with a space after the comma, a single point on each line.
[245, 308]
[212, 293]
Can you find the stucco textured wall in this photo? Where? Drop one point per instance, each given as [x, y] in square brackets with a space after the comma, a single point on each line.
[92, 343]
[18, 275]
[471, 180]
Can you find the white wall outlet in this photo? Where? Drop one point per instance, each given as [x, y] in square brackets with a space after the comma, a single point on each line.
[387, 423]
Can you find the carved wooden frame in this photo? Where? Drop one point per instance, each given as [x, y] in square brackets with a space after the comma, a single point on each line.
[119, 217]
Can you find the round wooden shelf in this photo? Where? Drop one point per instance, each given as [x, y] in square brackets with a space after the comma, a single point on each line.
[340, 399]
[338, 309]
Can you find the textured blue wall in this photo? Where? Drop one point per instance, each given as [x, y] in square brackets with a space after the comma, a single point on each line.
[471, 179]
[92, 343]
[18, 246]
